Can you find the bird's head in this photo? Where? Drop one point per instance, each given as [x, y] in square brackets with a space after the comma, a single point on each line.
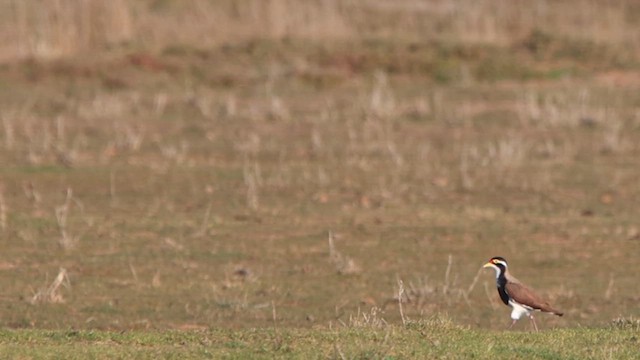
[498, 263]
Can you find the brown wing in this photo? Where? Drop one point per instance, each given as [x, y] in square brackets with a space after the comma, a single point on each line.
[525, 296]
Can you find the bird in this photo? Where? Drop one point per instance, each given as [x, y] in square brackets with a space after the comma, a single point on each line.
[522, 299]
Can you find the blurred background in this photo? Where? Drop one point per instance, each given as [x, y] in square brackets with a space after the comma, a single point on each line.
[213, 163]
[67, 28]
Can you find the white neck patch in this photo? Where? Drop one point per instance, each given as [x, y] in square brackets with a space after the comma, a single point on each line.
[497, 269]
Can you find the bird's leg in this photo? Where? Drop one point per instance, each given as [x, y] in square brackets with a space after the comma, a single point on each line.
[512, 323]
[533, 321]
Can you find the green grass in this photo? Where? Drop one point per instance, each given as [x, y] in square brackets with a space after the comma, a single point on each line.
[431, 339]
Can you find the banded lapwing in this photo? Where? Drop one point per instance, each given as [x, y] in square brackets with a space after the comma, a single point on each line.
[521, 299]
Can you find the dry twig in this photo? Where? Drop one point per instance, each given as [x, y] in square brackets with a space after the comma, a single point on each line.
[51, 293]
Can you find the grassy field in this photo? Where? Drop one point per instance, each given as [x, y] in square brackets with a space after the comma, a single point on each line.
[258, 171]
[434, 338]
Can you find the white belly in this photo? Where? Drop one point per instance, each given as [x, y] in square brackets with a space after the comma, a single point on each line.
[518, 310]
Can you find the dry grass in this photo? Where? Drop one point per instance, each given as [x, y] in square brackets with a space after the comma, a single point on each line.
[207, 164]
[404, 189]
[626, 323]
[53, 292]
[66, 240]
[64, 28]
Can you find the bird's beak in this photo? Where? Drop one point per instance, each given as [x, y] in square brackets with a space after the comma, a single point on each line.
[489, 264]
